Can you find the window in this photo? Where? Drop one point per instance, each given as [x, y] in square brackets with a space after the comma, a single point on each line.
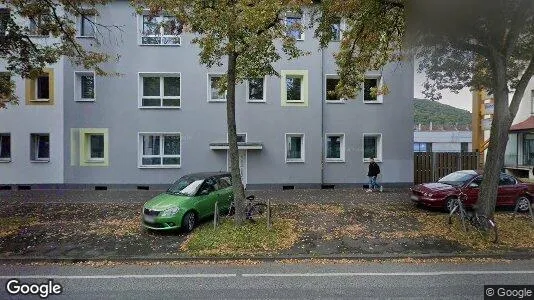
[335, 147]
[506, 180]
[40, 89]
[6, 86]
[4, 21]
[84, 86]
[256, 90]
[294, 147]
[86, 23]
[160, 90]
[5, 147]
[94, 147]
[372, 84]
[331, 95]
[214, 94]
[37, 25]
[372, 147]
[336, 31]
[422, 147]
[241, 137]
[39, 147]
[532, 102]
[225, 182]
[294, 26]
[160, 30]
[294, 88]
[159, 150]
[464, 147]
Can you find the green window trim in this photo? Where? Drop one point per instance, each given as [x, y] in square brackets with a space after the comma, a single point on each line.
[288, 74]
[85, 147]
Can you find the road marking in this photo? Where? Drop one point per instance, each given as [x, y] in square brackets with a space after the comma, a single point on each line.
[439, 273]
[143, 276]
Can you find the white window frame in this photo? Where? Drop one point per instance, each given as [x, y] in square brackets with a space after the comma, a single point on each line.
[35, 34]
[79, 20]
[380, 82]
[301, 88]
[379, 143]
[36, 82]
[161, 96]
[264, 100]
[88, 150]
[7, 159]
[161, 155]
[34, 140]
[140, 34]
[331, 76]
[342, 28]
[341, 150]
[290, 15]
[209, 76]
[78, 86]
[302, 148]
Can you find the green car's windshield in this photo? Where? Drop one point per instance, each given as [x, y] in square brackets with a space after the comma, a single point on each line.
[186, 186]
[456, 178]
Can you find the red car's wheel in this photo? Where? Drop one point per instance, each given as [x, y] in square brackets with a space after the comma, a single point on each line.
[450, 203]
[522, 203]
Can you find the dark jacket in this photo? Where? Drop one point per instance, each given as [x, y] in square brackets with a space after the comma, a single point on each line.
[374, 169]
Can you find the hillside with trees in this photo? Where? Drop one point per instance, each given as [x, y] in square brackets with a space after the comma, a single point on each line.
[426, 111]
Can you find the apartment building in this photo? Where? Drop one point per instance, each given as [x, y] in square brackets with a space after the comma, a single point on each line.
[162, 117]
[519, 158]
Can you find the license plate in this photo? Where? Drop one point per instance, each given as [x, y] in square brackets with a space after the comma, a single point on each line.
[414, 198]
[149, 219]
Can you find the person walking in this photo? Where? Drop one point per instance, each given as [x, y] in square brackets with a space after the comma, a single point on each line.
[373, 172]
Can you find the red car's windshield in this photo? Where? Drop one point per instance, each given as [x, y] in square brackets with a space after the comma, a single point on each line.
[456, 178]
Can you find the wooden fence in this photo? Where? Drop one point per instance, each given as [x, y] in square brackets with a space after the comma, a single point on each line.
[431, 166]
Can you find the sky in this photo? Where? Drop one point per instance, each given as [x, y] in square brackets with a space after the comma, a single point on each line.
[460, 100]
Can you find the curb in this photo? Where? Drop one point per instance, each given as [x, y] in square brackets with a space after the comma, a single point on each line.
[367, 257]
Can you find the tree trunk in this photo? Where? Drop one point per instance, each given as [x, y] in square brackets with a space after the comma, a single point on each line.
[497, 146]
[237, 184]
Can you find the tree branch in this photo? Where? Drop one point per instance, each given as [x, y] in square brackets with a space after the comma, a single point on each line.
[521, 86]
[518, 22]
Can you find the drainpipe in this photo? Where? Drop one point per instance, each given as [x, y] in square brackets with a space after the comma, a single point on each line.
[322, 115]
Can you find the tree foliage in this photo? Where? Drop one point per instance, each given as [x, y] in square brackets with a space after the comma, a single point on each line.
[426, 111]
[26, 53]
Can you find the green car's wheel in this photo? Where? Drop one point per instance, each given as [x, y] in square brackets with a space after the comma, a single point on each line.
[189, 221]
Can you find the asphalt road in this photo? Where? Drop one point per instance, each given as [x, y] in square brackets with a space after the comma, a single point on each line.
[273, 280]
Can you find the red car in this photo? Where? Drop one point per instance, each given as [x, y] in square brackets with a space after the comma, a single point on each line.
[442, 193]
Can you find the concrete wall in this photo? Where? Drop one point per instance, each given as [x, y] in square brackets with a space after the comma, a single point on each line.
[22, 120]
[444, 141]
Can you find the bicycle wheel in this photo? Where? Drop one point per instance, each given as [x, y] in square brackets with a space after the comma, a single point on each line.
[256, 211]
[457, 215]
[487, 228]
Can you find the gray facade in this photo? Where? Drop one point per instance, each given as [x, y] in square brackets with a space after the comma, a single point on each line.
[200, 123]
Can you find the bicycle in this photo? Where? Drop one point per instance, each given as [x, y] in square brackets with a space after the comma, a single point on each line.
[253, 210]
[486, 227]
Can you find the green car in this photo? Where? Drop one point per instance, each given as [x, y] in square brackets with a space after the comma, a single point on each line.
[190, 199]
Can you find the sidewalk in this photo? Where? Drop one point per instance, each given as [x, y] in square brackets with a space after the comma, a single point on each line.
[105, 225]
